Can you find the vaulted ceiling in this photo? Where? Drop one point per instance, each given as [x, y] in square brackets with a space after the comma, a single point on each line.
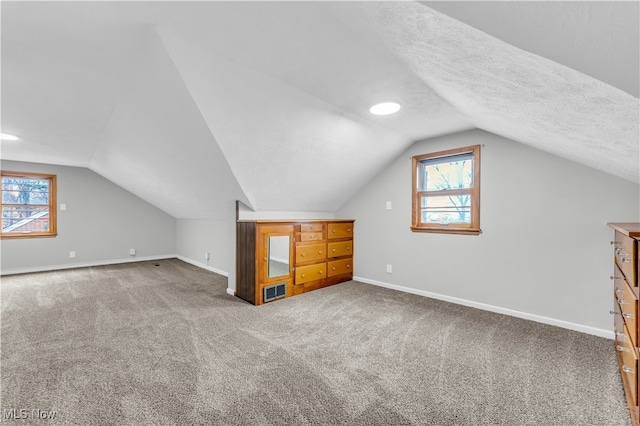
[191, 105]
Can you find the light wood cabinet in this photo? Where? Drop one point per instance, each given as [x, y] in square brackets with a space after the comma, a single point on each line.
[277, 259]
[342, 248]
[311, 252]
[625, 308]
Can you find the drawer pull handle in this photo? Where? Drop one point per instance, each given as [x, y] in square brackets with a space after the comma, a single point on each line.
[626, 260]
[627, 369]
[626, 315]
[348, 248]
[618, 333]
[348, 266]
[619, 290]
[320, 272]
[334, 250]
[301, 254]
[622, 349]
[621, 301]
[614, 243]
[333, 269]
[614, 278]
[613, 312]
[319, 251]
[333, 230]
[618, 251]
[302, 275]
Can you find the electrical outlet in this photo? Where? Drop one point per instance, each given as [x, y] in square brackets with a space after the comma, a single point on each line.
[207, 255]
[72, 254]
[132, 252]
[389, 269]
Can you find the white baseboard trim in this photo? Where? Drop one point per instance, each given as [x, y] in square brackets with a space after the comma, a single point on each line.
[208, 268]
[203, 266]
[48, 268]
[497, 309]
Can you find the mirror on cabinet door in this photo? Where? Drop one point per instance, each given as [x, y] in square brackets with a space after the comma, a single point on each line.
[278, 256]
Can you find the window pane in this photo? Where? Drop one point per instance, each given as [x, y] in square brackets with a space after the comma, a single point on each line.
[20, 190]
[21, 219]
[453, 172]
[446, 209]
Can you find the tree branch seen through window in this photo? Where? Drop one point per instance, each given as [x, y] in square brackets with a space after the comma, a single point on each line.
[446, 191]
[28, 205]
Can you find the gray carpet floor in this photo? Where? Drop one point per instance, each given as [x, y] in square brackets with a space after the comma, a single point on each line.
[138, 344]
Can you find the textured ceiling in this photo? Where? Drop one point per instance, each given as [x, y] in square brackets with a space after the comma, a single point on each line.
[192, 105]
[509, 91]
[595, 37]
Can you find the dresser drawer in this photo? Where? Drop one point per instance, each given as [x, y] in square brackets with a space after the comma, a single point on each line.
[339, 249]
[311, 227]
[629, 308]
[618, 321]
[311, 236]
[305, 274]
[627, 257]
[310, 252]
[339, 267]
[339, 230]
[618, 282]
[628, 360]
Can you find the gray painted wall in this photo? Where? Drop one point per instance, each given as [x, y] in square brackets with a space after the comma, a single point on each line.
[195, 237]
[101, 224]
[544, 252]
[217, 236]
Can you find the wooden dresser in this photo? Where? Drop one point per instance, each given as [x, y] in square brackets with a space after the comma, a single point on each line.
[277, 259]
[625, 308]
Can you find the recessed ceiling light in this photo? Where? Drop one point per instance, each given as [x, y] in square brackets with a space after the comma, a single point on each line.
[385, 108]
[7, 137]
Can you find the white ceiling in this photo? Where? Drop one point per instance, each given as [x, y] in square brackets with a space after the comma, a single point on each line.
[191, 105]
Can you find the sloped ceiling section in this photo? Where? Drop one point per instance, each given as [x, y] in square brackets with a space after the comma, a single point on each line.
[598, 38]
[281, 143]
[62, 69]
[191, 105]
[292, 121]
[508, 91]
[158, 146]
